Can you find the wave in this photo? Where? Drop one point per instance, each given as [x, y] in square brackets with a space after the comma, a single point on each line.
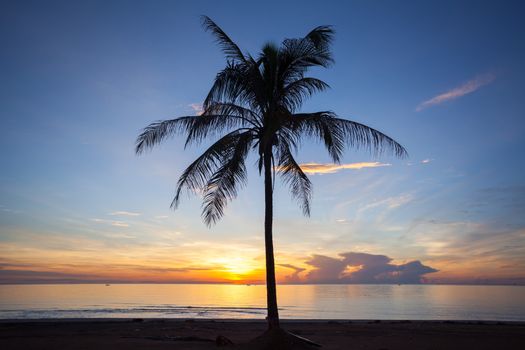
[138, 311]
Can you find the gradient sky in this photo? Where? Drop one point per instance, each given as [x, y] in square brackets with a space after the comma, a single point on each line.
[444, 78]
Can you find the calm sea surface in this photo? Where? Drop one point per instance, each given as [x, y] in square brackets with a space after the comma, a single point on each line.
[416, 302]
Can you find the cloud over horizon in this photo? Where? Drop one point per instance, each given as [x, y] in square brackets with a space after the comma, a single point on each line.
[354, 267]
[465, 89]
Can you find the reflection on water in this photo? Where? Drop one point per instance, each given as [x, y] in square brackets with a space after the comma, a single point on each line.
[238, 301]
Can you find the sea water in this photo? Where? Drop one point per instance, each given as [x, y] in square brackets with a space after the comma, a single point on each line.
[349, 302]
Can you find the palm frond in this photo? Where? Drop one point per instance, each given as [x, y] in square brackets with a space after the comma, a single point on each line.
[238, 84]
[159, 130]
[324, 128]
[223, 184]
[207, 125]
[296, 92]
[234, 110]
[230, 49]
[321, 36]
[312, 50]
[298, 55]
[355, 134]
[197, 174]
[294, 177]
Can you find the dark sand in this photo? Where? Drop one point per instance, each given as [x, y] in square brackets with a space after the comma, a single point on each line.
[169, 334]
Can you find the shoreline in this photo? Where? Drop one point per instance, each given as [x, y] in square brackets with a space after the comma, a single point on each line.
[201, 334]
[257, 320]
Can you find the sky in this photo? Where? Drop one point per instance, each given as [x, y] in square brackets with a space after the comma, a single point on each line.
[80, 80]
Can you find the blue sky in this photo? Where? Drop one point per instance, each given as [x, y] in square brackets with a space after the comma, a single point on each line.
[79, 81]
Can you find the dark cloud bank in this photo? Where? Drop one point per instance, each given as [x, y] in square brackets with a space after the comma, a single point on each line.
[359, 268]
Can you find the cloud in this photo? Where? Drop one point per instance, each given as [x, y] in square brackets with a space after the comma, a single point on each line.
[8, 210]
[316, 168]
[387, 203]
[294, 277]
[197, 108]
[110, 274]
[465, 89]
[8, 276]
[124, 213]
[111, 222]
[119, 224]
[353, 267]
[326, 269]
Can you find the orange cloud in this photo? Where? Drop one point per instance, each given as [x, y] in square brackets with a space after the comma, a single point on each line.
[316, 168]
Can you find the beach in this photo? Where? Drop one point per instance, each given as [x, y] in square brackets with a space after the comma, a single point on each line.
[131, 334]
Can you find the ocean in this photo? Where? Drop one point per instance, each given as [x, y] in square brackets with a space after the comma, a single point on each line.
[348, 302]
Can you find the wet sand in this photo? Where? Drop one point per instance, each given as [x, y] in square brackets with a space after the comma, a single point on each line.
[201, 334]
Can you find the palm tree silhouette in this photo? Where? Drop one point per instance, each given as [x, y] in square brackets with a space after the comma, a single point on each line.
[253, 104]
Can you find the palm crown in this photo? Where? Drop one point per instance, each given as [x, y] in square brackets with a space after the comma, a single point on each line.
[253, 104]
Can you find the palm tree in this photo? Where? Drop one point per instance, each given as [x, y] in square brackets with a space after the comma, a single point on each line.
[253, 105]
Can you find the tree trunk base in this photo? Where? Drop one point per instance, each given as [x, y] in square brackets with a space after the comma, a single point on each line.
[279, 339]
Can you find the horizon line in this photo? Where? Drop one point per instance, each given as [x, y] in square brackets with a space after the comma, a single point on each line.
[520, 284]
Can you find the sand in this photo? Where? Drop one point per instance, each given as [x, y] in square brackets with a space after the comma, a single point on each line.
[201, 334]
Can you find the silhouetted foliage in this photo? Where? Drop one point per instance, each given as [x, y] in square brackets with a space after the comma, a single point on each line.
[253, 105]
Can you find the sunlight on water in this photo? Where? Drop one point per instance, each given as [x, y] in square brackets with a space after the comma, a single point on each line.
[424, 302]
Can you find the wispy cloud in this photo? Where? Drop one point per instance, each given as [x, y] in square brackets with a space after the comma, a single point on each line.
[465, 89]
[8, 210]
[197, 108]
[119, 224]
[111, 222]
[317, 168]
[124, 213]
[387, 203]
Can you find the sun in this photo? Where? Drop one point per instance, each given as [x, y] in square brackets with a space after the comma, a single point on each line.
[236, 267]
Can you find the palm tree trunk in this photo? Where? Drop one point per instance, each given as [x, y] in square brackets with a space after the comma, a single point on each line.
[271, 289]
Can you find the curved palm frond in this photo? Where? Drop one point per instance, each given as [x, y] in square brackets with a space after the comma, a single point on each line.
[321, 36]
[205, 126]
[322, 127]
[159, 130]
[374, 141]
[297, 91]
[230, 49]
[232, 109]
[237, 84]
[294, 177]
[352, 133]
[197, 174]
[298, 55]
[223, 184]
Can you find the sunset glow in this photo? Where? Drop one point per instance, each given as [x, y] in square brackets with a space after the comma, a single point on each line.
[80, 82]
